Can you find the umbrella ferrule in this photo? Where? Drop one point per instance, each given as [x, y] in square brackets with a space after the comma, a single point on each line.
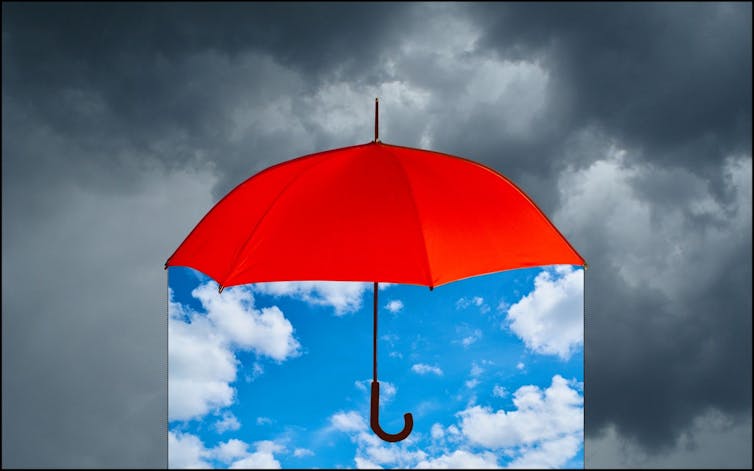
[376, 120]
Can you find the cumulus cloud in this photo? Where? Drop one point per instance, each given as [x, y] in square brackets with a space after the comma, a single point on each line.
[262, 458]
[201, 368]
[186, 450]
[363, 463]
[342, 296]
[231, 450]
[423, 369]
[227, 422]
[550, 319]
[394, 306]
[371, 451]
[350, 421]
[544, 429]
[437, 432]
[499, 391]
[461, 459]
[551, 454]
[302, 452]
[202, 362]
[266, 332]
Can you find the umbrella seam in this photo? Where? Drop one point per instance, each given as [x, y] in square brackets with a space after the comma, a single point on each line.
[499, 174]
[234, 263]
[416, 212]
[240, 185]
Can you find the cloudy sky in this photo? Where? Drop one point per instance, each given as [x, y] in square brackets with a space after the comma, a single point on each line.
[278, 374]
[628, 124]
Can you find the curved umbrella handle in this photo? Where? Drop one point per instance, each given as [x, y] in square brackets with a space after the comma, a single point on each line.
[374, 420]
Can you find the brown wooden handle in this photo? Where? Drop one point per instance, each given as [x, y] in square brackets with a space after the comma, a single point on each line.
[374, 420]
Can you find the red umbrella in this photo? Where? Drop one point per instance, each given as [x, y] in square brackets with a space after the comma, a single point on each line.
[373, 212]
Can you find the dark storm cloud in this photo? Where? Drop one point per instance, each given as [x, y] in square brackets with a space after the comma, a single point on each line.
[123, 72]
[103, 101]
[99, 102]
[673, 83]
[672, 79]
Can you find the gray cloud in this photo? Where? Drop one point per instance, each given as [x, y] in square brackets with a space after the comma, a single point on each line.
[122, 123]
[672, 80]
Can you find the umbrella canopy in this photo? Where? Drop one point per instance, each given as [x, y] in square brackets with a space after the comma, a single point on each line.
[373, 212]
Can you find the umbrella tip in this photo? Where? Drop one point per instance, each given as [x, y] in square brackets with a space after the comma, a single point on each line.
[220, 289]
[586, 266]
[376, 119]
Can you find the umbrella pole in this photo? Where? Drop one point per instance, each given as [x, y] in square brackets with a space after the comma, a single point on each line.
[374, 337]
[374, 418]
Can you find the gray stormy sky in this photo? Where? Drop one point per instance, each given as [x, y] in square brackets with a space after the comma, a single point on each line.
[629, 124]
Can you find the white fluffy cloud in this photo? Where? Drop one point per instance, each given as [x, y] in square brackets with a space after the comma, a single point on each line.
[302, 452]
[423, 369]
[372, 452]
[227, 422]
[188, 451]
[201, 368]
[231, 450]
[394, 306]
[550, 454]
[342, 296]
[544, 430]
[461, 459]
[350, 421]
[202, 363]
[437, 432]
[550, 319]
[265, 331]
[262, 458]
[499, 391]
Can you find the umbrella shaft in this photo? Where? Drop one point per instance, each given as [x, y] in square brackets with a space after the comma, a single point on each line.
[374, 338]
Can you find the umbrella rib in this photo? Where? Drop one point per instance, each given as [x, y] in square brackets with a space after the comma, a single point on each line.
[233, 266]
[407, 180]
[242, 185]
[499, 174]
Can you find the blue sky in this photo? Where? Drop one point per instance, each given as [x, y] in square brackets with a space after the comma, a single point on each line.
[278, 374]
